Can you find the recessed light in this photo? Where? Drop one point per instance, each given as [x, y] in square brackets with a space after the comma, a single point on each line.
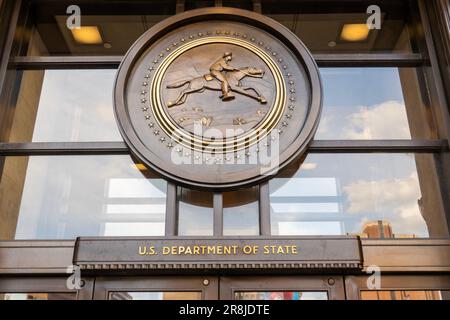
[355, 32]
[87, 35]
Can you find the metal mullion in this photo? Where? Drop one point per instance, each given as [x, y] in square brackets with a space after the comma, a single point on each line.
[370, 60]
[264, 209]
[440, 104]
[416, 29]
[171, 225]
[7, 35]
[218, 214]
[65, 62]
[62, 148]
[317, 146]
[434, 74]
[379, 146]
[323, 60]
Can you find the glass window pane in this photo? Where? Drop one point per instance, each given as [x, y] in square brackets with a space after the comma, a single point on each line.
[156, 295]
[373, 103]
[63, 105]
[281, 295]
[405, 295]
[372, 195]
[38, 296]
[195, 212]
[332, 29]
[106, 28]
[63, 197]
[241, 212]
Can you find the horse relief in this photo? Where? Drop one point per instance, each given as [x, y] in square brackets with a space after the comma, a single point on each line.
[222, 77]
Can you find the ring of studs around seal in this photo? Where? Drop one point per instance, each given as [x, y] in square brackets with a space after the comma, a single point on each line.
[170, 144]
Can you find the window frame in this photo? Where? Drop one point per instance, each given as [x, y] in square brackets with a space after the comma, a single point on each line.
[18, 284]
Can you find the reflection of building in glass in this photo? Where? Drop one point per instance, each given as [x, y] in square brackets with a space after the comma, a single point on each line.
[380, 230]
[281, 295]
[401, 295]
[155, 295]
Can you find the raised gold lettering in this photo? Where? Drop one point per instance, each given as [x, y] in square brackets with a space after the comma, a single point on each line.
[142, 250]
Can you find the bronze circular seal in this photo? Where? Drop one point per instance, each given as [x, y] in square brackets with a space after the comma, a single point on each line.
[218, 98]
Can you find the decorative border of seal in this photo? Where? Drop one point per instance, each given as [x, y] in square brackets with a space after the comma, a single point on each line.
[237, 143]
[251, 176]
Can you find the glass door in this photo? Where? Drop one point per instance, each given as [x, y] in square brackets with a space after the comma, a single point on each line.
[231, 288]
[395, 287]
[156, 288]
[43, 288]
[282, 288]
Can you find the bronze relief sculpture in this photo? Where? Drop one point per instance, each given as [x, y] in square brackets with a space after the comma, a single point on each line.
[248, 84]
[212, 81]
[222, 77]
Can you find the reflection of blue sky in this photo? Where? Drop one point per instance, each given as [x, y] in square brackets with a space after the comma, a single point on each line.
[349, 190]
[360, 86]
[362, 103]
[76, 105]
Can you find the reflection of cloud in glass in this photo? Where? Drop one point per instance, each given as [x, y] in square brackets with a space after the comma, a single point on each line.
[394, 199]
[68, 196]
[305, 207]
[363, 195]
[288, 187]
[373, 122]
[363, 103]
[117, 229]
[347, 191]
[76, 105]
[310, 228]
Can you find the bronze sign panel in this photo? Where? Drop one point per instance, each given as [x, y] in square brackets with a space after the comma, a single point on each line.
[218, 98]
[343, 253]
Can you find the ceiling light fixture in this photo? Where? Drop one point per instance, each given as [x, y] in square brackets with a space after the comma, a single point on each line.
[87, 35]
[355, 32]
